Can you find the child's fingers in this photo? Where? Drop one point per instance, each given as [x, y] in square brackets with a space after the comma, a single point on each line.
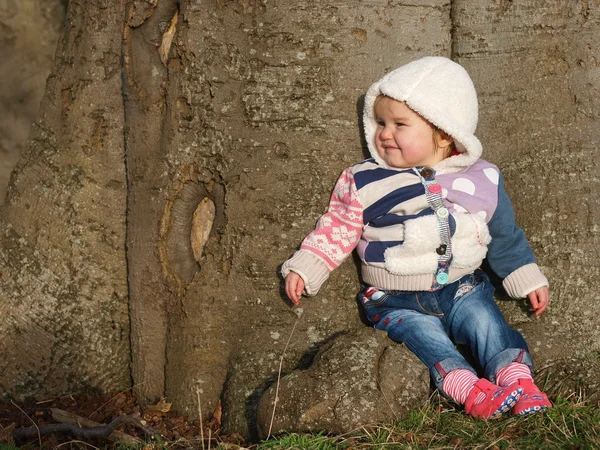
[539, 300]
[291, 293]
[300, 287]
[533, 301]
[543, 297]
[295, 298]
[294, 285]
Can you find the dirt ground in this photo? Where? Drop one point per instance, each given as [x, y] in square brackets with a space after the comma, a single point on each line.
[167, 427]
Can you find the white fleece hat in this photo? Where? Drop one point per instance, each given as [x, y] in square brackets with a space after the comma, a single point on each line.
[440, 91]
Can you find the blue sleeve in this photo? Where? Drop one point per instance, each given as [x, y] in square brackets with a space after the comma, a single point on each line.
[509, 249]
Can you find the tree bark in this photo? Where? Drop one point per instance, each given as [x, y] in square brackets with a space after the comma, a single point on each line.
[533, 64]
[146, 113]
[63, 287]
[28, 39]
[185, 148]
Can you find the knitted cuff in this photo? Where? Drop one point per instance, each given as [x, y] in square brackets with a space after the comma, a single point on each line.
[524, 280]
[312, 270]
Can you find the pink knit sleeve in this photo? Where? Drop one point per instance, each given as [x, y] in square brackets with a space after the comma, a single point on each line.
[338, 231]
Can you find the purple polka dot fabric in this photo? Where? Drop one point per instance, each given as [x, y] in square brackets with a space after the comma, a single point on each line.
[473, 190]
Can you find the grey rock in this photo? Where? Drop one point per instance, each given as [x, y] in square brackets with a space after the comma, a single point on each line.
[358, 378]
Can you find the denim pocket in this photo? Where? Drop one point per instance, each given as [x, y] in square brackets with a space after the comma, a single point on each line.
[466, 285]
[477, 283]
[371, 296]
[373, 302]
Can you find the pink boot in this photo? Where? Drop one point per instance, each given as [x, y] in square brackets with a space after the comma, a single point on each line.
[532, 399]
[488, 401]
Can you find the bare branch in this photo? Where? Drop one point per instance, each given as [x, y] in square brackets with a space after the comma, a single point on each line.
[97, 431]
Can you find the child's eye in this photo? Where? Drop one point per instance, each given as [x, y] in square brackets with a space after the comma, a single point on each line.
[399, 124]
[381, 123]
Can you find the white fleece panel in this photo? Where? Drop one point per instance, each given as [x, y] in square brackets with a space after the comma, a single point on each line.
[417, 254]
[469, 243]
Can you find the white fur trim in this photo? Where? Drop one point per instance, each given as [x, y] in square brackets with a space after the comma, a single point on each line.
[442, 92]
[417, 254]
[470, 240]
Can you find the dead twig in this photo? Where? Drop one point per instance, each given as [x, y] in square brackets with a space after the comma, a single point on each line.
[279, 378]
[200, 414]
[62, 416]
[34, 425]
[76, 442]
[95, 432]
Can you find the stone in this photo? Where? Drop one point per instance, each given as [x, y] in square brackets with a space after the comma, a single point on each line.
[358, 378]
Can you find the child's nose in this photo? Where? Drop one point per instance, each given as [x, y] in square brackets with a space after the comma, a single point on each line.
[385, 133]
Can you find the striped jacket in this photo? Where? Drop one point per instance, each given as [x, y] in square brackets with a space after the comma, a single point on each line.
[416, 230]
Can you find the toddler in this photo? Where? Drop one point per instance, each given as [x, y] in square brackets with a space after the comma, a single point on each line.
[422, 213]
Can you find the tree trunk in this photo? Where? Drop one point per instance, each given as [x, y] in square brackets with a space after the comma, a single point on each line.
[184, 149]
[63, 286]
[147, 181]
[28, 38]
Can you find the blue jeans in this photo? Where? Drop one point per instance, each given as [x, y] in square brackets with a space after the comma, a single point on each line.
[431, 323]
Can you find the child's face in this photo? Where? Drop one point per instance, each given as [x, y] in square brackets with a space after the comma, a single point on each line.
[403, 138]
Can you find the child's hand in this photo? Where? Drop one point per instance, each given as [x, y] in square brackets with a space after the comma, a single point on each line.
[294, 286]
[539, 300]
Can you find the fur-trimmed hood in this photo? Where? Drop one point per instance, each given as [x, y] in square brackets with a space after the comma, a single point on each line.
[440, 91]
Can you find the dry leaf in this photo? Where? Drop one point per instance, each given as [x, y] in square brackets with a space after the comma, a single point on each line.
[162, 406]
[6, 434]
[218, 413]
[215, 421]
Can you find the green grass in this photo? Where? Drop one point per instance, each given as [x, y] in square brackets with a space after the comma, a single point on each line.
[571, 424]
[303, 441]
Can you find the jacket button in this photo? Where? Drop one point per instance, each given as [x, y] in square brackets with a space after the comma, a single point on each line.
[426, 172]
[442, 212]
[441, 278]
[441, 250]
[435, 188]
